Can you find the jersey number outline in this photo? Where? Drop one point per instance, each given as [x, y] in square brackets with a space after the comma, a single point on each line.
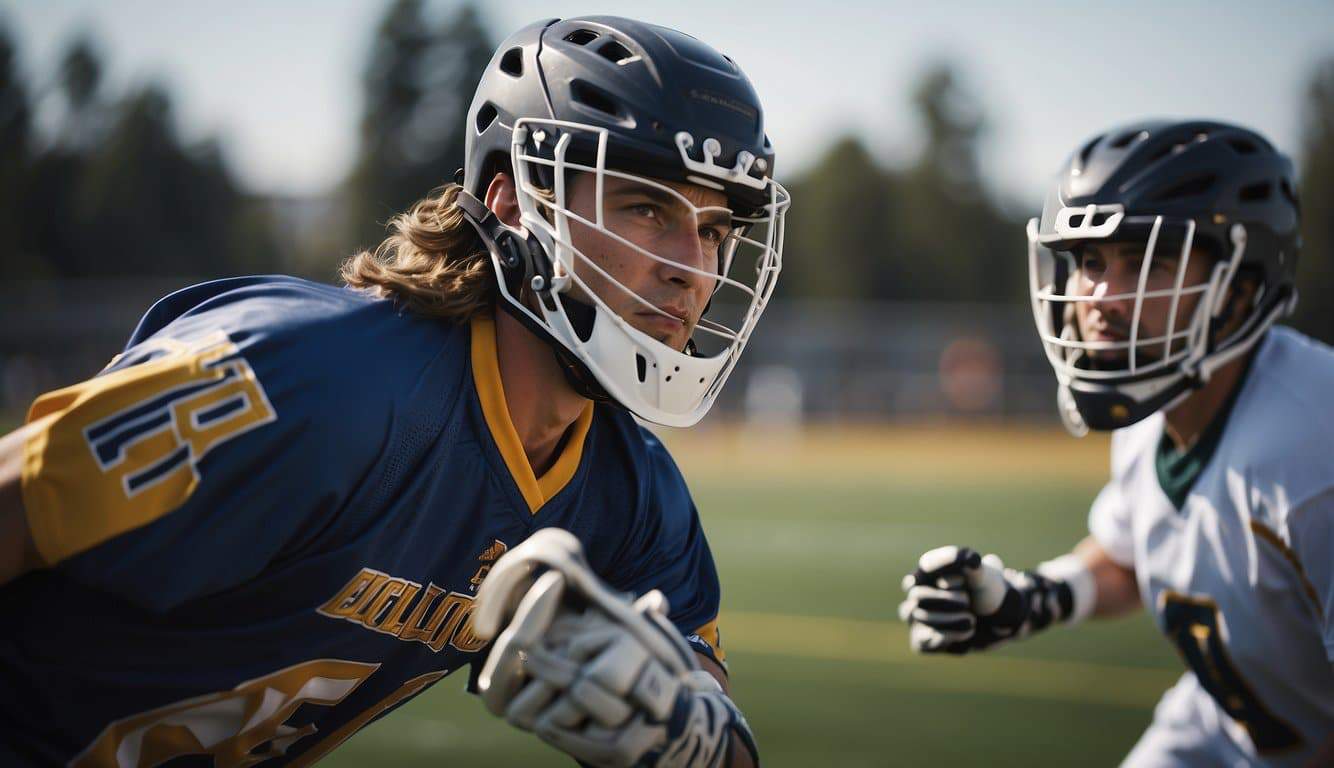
[246, 725]
[122, 449]
[1192, 625]
[209, 396]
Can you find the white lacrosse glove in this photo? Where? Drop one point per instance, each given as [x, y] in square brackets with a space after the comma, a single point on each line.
[607, 681]
[959, 601]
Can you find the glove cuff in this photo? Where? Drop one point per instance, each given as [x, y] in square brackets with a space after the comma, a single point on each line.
[1072, 571]
[738, 731]
[722, 724]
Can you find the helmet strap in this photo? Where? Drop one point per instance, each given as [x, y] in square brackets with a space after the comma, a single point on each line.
[526, 270]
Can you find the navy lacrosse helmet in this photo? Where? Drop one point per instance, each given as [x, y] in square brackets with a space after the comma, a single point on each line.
[601, 98]
[1172, 188]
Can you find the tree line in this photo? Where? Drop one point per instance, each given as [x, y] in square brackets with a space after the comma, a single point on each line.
[112, 189]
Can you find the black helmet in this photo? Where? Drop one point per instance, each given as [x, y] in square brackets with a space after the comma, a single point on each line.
[1169, 186]
[613, 97]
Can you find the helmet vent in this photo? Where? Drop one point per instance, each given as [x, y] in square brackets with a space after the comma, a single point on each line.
[1254, 193]
[581, 36]
[486, 116]
[1161, 153]
[616, 53]
[1088, 150]
[512, 62]
[1099, 218]
[1124, 139]
[1189, 188]
[641, 366]
[1243, 146]
[1171, 149]
[595, 98]
[1289, 192]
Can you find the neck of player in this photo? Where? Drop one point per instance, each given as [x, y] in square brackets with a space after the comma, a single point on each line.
[542, 405]
[1186, 422]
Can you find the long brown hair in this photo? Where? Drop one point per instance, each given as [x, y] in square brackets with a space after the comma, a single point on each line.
[432, 262]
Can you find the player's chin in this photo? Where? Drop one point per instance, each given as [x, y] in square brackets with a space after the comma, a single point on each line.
[1103, 360]
[1120, 360]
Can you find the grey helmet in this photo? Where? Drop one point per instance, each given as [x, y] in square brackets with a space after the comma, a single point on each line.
[1168, 186]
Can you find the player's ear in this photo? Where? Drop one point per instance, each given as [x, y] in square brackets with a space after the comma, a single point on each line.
[501, 198]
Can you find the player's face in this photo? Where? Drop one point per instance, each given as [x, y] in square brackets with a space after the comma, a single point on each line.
[1110, 273]
[687, 232]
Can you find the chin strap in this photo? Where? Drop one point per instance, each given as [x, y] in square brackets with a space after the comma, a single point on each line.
[524, 265]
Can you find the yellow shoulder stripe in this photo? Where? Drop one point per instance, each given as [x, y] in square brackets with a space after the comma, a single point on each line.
[119, 451]
[710, 635]
[491, 392]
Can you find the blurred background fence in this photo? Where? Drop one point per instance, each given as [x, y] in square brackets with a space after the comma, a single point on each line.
[819, 361]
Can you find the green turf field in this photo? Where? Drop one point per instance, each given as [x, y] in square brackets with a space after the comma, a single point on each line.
[812, 535]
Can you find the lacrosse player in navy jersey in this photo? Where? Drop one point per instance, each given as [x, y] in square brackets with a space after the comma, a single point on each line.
[1164, 255]
[286, 508]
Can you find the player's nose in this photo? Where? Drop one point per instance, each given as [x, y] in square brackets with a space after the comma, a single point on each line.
[1114, 292]
[683, 258]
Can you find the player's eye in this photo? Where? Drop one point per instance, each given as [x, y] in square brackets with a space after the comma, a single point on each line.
[714, 235]
[1092, 265]
[646, 210]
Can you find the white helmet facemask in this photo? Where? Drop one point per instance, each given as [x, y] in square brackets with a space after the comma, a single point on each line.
[1121, 381]
[739, 255]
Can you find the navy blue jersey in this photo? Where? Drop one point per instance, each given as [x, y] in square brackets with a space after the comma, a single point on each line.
[266, 521]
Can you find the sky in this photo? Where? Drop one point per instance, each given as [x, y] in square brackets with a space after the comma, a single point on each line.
[277, 82]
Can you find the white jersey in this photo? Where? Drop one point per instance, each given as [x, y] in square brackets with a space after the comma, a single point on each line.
[1240, 579]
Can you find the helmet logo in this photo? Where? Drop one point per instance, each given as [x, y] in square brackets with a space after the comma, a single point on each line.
[725, 102]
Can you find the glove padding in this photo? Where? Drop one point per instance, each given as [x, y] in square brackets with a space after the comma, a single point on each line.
[607, 681]
[959, 601]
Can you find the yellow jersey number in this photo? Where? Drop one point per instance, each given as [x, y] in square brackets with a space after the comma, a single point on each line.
[246, 725]
[121, 450]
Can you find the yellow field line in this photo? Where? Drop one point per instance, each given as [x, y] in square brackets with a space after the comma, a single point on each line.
[926, 453]
[880, 642]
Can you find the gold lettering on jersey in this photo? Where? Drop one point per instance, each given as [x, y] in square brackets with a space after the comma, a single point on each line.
[465, 640]
[122, 449]
[413, 628]
[362, 607]
[488, 557]
[236, 728]
[407, 610]
[376, 612]
[493, 552]
[157, 440]
[393, 623]
[342, 604]
[453, 609]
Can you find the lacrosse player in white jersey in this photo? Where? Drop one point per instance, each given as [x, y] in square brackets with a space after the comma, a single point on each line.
[1165, 252]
